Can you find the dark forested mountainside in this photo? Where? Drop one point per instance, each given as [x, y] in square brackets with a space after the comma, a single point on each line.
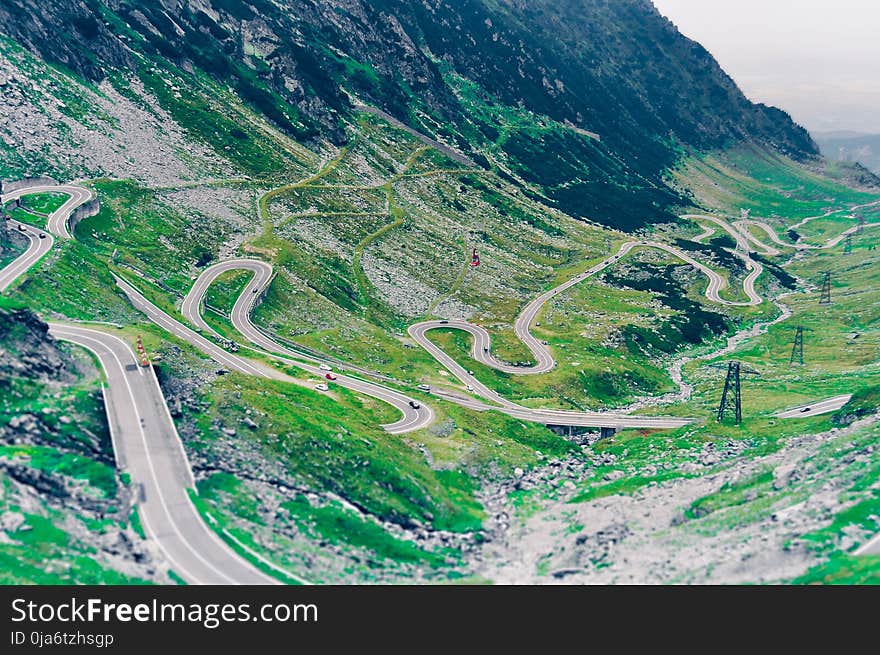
[612, 68]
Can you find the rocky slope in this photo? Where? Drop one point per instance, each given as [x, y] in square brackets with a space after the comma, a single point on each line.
[64, 510]
[617, 70]
[237, 129]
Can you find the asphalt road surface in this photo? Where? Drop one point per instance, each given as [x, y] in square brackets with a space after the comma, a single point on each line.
[481, 352]
[771, 233]
[705, 234]
[563, 417]
[744, 237]
[742, 251]
[815, 409]
[148, 447]
[828, 213]
[145, 439]
[870, 547]
[482, 343]
[57, 222]
[36, 249]
[412, 418]
[240, 317]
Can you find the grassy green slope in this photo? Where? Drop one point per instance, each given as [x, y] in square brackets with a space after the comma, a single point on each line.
[371, 237]
[67, 450]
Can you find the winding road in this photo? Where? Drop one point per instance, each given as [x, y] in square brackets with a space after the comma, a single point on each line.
[191, 309]
[742, 227]
[482, 340]
[742, 251]
[771, 234]
[58, 221]
[36, 250]
[145, 439]
[413, 418]
[148, 447]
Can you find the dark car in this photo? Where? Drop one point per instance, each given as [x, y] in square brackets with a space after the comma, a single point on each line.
[414, 404]
[806, 409]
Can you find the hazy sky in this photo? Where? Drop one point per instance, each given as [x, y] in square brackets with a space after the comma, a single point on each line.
[817, 59]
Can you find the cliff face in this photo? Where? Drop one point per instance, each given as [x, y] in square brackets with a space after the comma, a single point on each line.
[57, 467]
[612, 68]
[27, 351]
[5, 245]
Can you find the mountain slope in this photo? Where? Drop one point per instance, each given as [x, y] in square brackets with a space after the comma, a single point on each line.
[219, 129]
[851, 147]
[466, 72]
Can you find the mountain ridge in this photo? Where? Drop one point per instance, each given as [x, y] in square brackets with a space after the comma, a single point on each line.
[618, 69]
[851, 147]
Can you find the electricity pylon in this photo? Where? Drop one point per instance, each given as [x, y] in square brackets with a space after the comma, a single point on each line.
[731, 396]
[797, 350]
[825, 298]
[847, 244]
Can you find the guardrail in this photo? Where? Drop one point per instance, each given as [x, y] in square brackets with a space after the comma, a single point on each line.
[8, 186]
[85, 210]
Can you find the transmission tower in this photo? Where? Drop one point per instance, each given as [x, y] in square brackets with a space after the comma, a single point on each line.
[797, 350]
[861, 227]
[847, 244]
[731, 396]
[825, 298]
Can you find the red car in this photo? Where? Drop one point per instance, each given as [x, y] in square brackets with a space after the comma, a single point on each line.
[330, 376]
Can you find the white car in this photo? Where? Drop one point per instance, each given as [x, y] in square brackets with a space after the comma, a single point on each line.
[470, 388]
[322, 387]
[325, 367]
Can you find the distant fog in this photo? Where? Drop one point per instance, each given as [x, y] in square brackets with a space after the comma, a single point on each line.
[817, 59]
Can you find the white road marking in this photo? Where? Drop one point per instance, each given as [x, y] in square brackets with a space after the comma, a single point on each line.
[58, 224]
